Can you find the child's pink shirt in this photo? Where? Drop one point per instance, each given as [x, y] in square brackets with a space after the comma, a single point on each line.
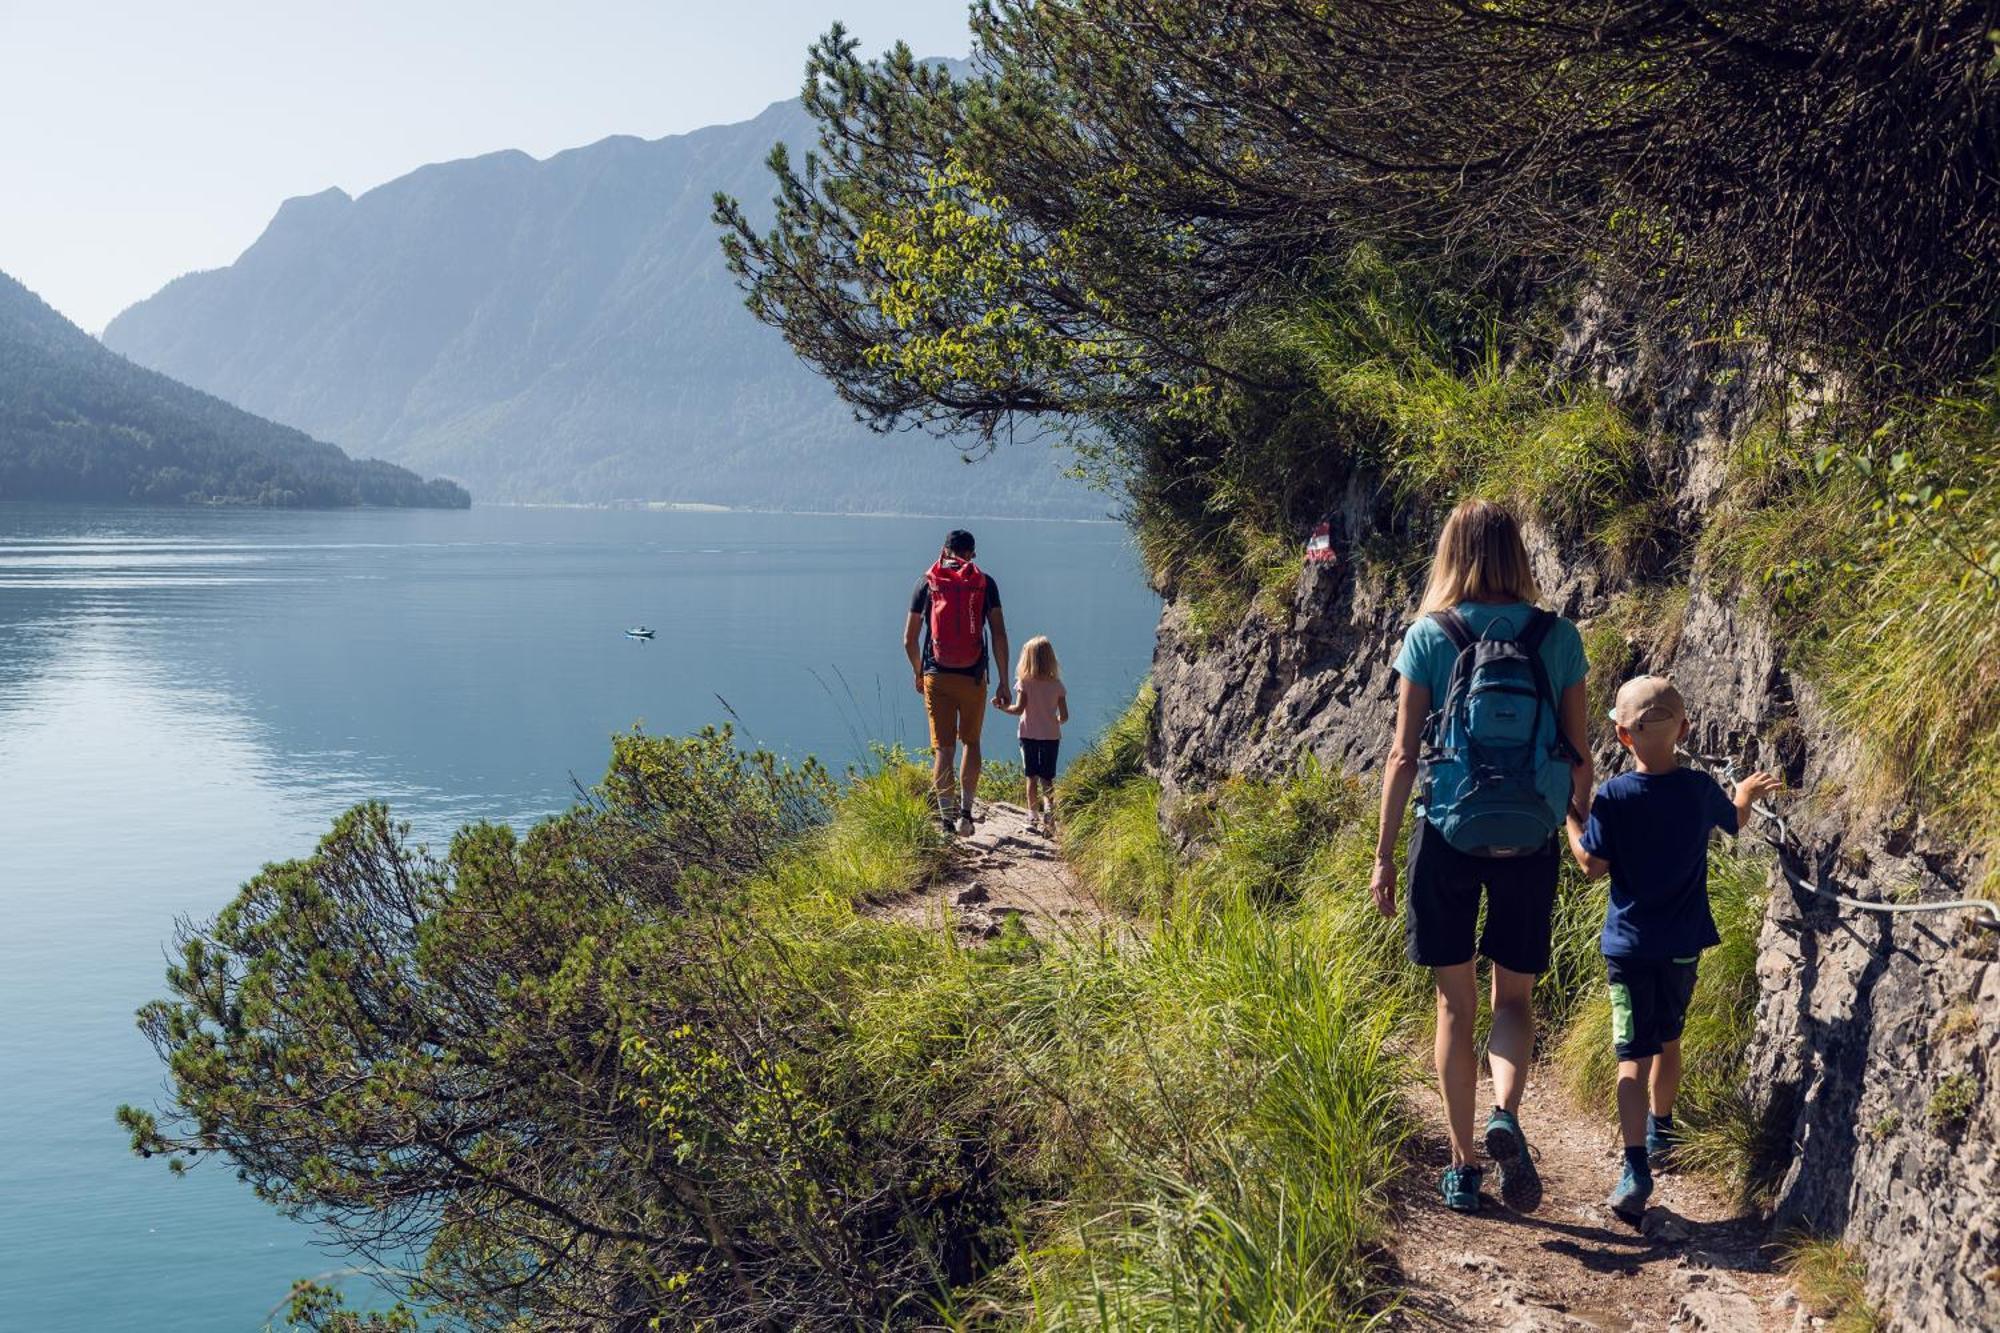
[1038, 709]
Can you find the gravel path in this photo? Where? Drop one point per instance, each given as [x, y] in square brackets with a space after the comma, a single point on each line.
[1002, 870]
[1696, 1263]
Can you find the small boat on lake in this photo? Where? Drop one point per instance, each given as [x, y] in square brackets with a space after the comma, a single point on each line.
[638, 632]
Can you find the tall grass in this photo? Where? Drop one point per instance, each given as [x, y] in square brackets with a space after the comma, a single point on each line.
[883, 840]
[1245, 1088]
[1401, 380]
[1426, 379]
[1879, 554]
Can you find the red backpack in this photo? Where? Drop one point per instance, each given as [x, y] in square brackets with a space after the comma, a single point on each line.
[958, 613]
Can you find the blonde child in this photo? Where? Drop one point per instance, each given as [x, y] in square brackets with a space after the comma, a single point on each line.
[1043, 706]
[1649, 828]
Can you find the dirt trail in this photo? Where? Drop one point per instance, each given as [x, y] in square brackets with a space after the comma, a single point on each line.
[1698, 1264]
[1002, 870]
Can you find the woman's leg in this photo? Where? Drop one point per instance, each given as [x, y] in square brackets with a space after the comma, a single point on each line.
[1510, 1044]
[1457, 1061]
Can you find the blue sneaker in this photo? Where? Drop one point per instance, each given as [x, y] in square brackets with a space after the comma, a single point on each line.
[1520, 1183]
[1460, 1187]
[1629, 1199]
[1661, 1141]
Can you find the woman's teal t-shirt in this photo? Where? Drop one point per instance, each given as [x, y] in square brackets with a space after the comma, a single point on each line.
[1427, 655]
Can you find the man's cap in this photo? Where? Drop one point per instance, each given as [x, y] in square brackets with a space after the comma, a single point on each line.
[1645, 699]
[959, 542]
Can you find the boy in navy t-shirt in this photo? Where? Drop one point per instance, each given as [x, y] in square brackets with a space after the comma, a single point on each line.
[1650, 829]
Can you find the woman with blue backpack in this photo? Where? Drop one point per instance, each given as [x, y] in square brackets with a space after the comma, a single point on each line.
[1490, 731]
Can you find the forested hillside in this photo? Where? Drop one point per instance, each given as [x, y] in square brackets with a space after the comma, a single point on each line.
[80, 423]
[559, 330]
[1705, 294]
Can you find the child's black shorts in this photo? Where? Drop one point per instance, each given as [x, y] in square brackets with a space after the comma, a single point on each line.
[1038, 758]
[1443, 912]
[1649, 1002]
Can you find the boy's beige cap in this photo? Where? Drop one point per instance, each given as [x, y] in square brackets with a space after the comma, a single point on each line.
[1644, 699]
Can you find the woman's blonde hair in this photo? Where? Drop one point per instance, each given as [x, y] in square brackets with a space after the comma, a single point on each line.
[1480, 558]
[1038, 660]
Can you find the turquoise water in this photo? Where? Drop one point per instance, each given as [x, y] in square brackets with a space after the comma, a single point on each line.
[187, 694]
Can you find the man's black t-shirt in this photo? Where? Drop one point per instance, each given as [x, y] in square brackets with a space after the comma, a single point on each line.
[920, 605]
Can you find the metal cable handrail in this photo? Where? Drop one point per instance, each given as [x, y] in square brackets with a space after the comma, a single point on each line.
[1790, 848]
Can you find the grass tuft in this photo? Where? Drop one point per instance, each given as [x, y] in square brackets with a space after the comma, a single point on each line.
[1832, 1280]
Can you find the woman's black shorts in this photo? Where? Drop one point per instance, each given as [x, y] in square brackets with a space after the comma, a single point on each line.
[1038, 758]
[1444, 887]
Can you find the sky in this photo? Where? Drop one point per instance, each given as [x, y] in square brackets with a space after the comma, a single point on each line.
[144, 139]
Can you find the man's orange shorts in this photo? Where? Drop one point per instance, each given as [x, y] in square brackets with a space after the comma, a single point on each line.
[956, 706]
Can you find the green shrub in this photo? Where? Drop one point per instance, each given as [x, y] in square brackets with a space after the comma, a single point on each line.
[1951, 1105]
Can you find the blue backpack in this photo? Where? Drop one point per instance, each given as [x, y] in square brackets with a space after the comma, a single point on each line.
[1496, 766]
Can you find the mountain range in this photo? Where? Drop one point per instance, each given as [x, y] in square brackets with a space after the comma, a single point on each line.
[560, 329]
[79, 422]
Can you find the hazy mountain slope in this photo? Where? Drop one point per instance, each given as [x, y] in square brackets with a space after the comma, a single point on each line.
[557, 330]
[78, 422]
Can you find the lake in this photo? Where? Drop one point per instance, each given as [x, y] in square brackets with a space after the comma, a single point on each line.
[187, 694]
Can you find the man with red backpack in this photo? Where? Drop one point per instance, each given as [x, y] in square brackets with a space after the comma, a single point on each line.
[954, 607]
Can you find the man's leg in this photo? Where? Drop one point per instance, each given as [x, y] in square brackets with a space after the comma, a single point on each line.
[942, 715]
[968, 775]
[941, 766]
[1457, 1062]
[1511, 1042]
[971, 694]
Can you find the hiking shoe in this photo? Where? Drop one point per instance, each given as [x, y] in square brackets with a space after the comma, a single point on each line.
[1629, 1199]
[1460, 1187]
[1661, 1141]
[1035, 827]
[965, 822]
[1520, 1183]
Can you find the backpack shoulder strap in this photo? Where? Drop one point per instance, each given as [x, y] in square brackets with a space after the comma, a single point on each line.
[1530, 640]
[1540, 621]
[1454, 627]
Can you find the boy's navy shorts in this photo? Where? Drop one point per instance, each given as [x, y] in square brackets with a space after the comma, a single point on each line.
[1444, 887]
[1038, 759]
[1649, 1002]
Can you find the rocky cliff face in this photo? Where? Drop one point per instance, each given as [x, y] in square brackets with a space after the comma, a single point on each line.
[1875, 1033]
